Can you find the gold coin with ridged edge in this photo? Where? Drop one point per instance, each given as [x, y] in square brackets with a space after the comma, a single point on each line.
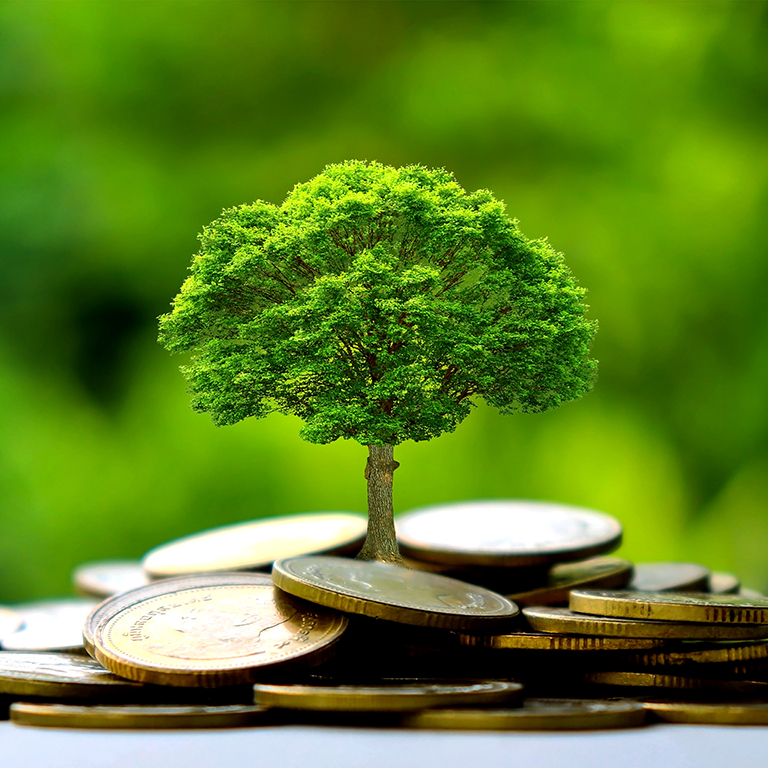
[538, 641]
[709, 713]
[704, 653]
[387, 698]
[257, 544]
[535, 715]
[59, 676]
[564, 621]
[393, 592]
[669, 606]
[506, 533]
[213, 635]
[603, 572]
[146, 716]
[677, 682]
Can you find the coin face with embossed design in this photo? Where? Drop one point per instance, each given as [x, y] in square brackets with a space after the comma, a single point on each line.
[257, 544]
[127, 599]
[506, 533]
[213, 633]
[392, 592]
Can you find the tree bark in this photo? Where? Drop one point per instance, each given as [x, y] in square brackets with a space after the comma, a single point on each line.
[381, 542]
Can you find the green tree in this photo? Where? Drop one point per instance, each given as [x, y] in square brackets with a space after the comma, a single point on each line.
[377, 304]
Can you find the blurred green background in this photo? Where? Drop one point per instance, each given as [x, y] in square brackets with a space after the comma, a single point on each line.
[632, 134]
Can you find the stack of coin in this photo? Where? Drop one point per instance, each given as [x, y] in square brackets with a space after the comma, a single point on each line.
[511, 615]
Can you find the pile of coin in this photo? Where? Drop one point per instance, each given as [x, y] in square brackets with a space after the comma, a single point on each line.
[510, 616]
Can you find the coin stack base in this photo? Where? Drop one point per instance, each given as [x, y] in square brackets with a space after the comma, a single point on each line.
[194, 637]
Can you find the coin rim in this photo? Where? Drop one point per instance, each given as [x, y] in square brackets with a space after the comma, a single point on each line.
[625, 714]
[539, 641]
[661, 606]
[371, 698]
[135, 717]
[709, 713]
[613, 626]
[16, 685]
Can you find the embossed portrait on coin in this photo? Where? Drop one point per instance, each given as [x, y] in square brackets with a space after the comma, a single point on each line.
[216, 630]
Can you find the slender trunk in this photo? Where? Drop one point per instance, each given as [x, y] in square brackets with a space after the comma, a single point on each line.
[381, 542]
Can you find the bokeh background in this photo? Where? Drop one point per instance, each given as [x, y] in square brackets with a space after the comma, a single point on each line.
[633, 134]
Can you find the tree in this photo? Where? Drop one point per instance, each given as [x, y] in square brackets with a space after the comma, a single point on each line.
[378, 304]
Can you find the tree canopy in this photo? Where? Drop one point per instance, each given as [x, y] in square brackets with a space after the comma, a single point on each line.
[378, 304]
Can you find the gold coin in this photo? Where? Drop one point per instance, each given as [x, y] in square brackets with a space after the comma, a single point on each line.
[676, 682]
[506, 533]
[138, 716]
[54, 625]
[605, 572]
[705, 653]
[564, 621]
[535, 715]
[109, 577]
[538, 641]
[669, 606]
[125, 600]
[386, 698]
[670, 577]
[58, 676]
[10, 621]
[214, 634]
[709, 713]
[723, 584]
[392, 592]
[257, 544]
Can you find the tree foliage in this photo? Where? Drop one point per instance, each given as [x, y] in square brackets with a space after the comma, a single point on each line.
[377, 303]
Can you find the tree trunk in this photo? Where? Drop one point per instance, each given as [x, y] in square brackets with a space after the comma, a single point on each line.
[381, 542]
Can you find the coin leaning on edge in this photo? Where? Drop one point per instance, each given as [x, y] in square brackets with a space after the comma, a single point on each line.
[394, 593]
